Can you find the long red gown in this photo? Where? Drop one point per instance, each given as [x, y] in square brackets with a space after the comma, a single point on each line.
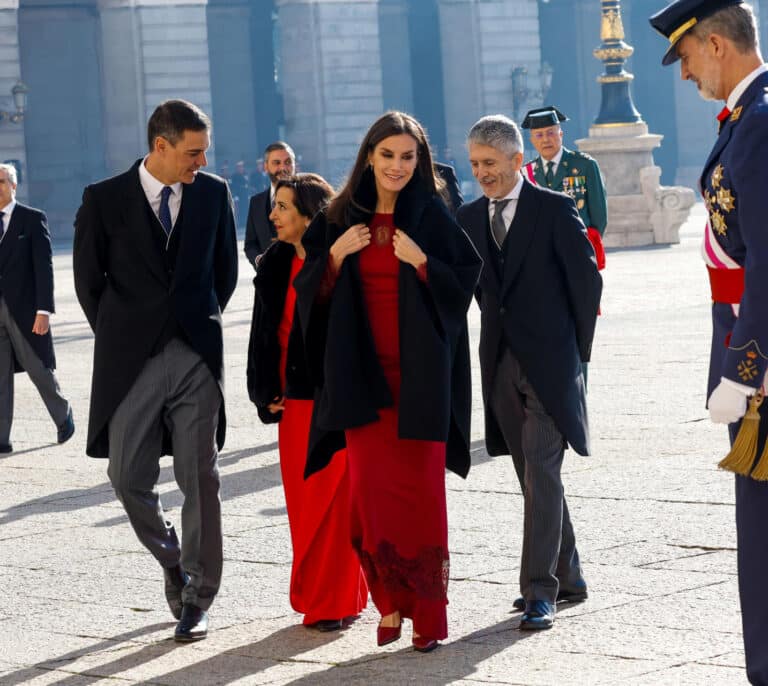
[327, 581]
[399, 519]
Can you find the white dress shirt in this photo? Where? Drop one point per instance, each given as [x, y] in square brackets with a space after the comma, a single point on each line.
[555, 162]
[153, 188]
[8, 211]
[508, 213]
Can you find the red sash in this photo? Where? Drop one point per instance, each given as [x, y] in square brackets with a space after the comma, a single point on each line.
[727, 285]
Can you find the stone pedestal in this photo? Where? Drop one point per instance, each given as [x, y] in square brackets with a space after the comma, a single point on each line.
[640, 211]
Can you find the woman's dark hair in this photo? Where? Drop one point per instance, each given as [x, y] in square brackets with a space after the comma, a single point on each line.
[311, 193]
[389, 124]
[172, 118]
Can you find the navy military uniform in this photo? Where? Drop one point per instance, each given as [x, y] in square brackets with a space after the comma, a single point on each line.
[733, 183]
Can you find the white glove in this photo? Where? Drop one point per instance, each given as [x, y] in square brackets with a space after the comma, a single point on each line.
[728, 402]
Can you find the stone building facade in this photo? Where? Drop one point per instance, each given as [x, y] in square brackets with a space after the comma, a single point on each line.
[315, 72]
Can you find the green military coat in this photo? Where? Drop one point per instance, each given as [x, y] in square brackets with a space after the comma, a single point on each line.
[579, 176]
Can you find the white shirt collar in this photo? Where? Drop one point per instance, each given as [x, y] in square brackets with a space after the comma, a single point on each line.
[737, 92]
[152, 186]
[514, 194]
[8, 209]
[556, 159]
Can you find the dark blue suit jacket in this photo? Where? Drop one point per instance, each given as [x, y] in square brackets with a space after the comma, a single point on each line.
[542, 304]
[734, 186]
[26, 276]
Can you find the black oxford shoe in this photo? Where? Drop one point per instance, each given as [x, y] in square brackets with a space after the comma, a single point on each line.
[538, 615]
[325, 625]
[6, 448]
[193, 625]
[175, 580]
[65, 431]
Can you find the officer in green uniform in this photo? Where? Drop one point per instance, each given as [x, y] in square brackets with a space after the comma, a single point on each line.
[564, 170]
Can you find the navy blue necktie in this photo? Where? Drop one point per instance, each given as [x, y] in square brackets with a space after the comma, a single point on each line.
[2, 224]
[165, 211]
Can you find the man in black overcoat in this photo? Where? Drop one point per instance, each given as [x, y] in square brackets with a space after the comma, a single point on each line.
[26, 304]
[539, 293]
[155, 261]
[279, 163]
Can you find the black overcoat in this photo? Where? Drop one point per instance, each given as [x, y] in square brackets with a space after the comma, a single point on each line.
[436, 388]
[541, 301]
[129, 294]
[259, 231]
[263, 366]
[26, 277]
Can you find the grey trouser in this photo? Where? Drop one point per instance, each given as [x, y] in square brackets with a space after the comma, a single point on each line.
[550, 559]
[12, 342]
[177, 392]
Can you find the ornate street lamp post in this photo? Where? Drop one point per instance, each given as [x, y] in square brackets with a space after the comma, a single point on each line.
[616, 106]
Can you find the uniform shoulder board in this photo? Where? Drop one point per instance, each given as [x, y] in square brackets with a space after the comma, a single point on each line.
[531, 162]
[582, 155]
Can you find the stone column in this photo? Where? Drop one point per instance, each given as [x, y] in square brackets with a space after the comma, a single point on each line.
[11, 135]
[122, 84]
[481, 43]
[331, 79]
[172, 57]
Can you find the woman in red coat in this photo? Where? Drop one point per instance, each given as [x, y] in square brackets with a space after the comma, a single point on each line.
[382, 301]
[327, 583]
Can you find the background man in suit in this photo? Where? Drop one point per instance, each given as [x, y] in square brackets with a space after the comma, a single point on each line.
[279, 163]
[717, 45]
[155, 259]
[448, 174]
[26, 304]
[539, 292]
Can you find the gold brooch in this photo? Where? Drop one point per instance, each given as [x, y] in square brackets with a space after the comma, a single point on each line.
[725, 199]
[717, 176]
[718, 223]
[747, 370]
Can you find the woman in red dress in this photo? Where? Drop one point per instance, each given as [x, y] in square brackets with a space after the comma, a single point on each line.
[327, 583]
[382, 300]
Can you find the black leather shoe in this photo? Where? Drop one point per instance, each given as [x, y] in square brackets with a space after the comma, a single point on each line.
[327, 625]
[563, 596]
[175, 580]
[66, 430]
[539, 614]
[193, 625]
[6, 448]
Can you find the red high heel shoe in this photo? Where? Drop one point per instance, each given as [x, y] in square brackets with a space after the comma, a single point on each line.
[422, 644]
[388, 634]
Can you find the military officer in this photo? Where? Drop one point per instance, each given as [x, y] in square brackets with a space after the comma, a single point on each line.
[717, 45]
[564, 170]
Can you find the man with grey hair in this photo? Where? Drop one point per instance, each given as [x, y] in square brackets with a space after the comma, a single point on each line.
[26, 304]
[539, 293]
[716, 43]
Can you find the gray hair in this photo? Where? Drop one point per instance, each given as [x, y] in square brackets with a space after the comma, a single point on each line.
[736, 23]
[497, 131]
[11, 171]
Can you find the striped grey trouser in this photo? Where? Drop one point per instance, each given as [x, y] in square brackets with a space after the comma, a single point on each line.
[13, 343]
[175, 391]
[549, 559]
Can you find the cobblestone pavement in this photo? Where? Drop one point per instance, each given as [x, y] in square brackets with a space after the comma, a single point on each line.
[654, 521]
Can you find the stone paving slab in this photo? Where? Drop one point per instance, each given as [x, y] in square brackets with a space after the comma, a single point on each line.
[654, 520]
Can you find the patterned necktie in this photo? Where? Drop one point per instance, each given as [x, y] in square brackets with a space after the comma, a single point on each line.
[498, 226]
[548, 175]
[165, 211]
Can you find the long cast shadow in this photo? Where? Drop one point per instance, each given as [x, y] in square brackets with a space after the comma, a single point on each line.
[70, 500]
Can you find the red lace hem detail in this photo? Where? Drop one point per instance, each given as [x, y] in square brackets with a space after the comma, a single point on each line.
[426, 575]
